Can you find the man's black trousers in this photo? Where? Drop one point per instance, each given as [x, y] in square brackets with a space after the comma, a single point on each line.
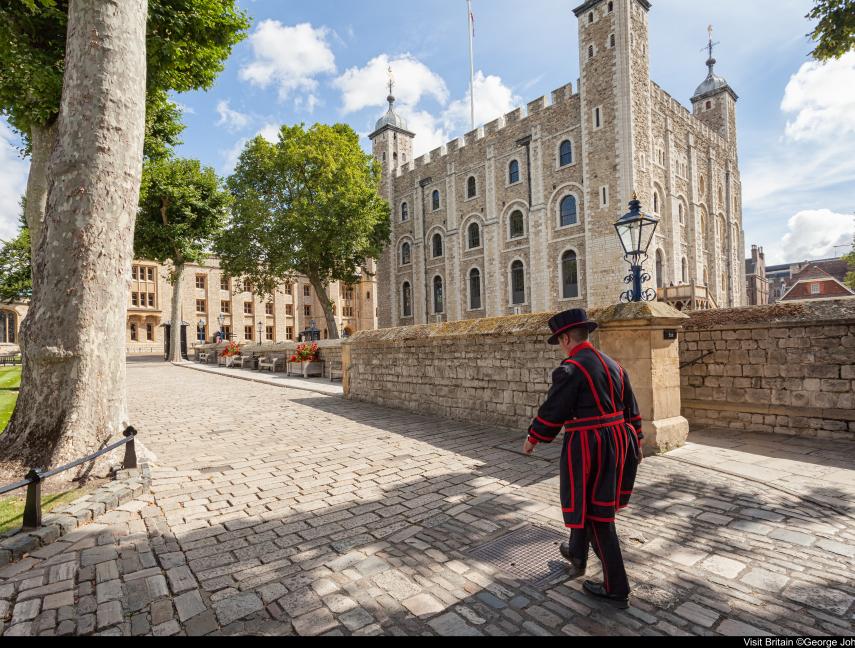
[602, 538]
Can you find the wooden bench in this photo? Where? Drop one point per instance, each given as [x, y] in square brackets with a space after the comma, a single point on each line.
[270, 364]
[203, 357]
[336, 371]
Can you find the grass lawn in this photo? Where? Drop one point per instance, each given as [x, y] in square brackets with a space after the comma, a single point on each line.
[12, 508]
[10, 380]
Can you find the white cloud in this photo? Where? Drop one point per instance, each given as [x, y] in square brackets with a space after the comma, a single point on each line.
[13, 182]
[813, 234]
[368, 86]
[230, 156]
[232, 119]
[289, 57]
[823, 97]
[270, 132]
[492, 99]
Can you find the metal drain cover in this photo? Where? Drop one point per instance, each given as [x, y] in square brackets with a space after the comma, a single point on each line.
[530, 554]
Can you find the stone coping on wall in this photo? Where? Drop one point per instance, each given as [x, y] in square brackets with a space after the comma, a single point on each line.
[839, 311]
[128, 485]
[778, 410]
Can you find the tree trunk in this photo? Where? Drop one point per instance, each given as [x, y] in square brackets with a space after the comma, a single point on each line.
[42, 143]
[326, 304]
[177, 320]
[72, 398]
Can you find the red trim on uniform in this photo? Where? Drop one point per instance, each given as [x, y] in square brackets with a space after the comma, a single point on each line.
[549, 423]
[601, 422]
[622, 386]
[600, 519]
[570, 326]
[572, 477]
[540, 437]
[609, 376]
[533, 440]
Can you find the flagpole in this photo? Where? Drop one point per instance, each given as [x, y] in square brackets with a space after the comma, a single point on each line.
[469, 18]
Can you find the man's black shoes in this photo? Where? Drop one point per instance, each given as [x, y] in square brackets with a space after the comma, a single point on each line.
[598, 591]
[577, 569]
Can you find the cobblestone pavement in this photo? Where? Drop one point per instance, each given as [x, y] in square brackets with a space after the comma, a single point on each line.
[282, 512]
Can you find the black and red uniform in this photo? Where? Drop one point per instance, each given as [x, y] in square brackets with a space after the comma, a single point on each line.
[591, 399]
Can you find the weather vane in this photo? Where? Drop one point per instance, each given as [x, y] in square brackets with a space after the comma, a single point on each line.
[391, 81]
[711, 44]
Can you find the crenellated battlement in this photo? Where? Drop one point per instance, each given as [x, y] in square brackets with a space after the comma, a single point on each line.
[678, 108]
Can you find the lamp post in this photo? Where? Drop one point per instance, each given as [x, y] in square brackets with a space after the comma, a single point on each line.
[200, 334]
[222, 320]
[260, 328]
[635, 231]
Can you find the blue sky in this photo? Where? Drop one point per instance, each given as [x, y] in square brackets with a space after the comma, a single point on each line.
[326, 60]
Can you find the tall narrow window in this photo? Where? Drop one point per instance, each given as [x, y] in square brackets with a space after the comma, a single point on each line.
[660, 270]
[682, 214]
[435, 200]
[407, 300]
[565, 155]
[655, 202]
[590, 52]
[438, 303]
[437, 246]
[134, 333]
[611, 7]
[598, 118]
[569, 275]
[405, 212]
[612, 40]
[685, 271]
[149, 332]
[474, 236]
[517, 283]
[569, 212]
[513, 172]
[517, 225]
[471, 187]
[475, 289]
[406, 254]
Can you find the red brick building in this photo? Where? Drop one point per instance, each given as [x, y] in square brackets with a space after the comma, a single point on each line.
[812, 283]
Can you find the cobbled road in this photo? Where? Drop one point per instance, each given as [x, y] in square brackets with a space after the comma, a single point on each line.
[280, 512]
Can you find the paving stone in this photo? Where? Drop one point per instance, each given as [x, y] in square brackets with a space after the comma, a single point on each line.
[765, 580]
[110, 591]
[19, 630]
[189, 605]
[315, 623]
[793, 537]
[355, 619]
[181, 579]
[96, 555]
[201, 625]
[26, 611]
[161, 612]
[453, 625]
[423, 605]
[86, 624]
[339, 603]
[734, 628]
[167, 629]
[107, 571]
[55, 601]
[140, 625]
[66, 628]
[723, 566]
[109, 614]
[237, 607]
[698, 614]
[825, 598]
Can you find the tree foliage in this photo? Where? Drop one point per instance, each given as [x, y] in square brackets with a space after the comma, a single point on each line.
[187, 44]
[306, 205]
[163, 127]
[16, 279]
[835, 31]
[183, 206]
[850, 258]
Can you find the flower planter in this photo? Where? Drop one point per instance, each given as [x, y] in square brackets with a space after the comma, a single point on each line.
[312, 369]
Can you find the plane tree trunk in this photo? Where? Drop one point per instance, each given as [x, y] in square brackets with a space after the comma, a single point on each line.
[72, 399]
[326, 304]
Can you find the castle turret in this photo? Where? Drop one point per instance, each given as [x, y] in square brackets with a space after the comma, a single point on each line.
[714, 102]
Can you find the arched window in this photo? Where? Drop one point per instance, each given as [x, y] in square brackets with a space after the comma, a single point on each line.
[437, 246]
[471, 187]
[569, 275]
[407, 299]
[474, 238]
[612, 40]
[569, 212]
[565, 153]
[655, 202]
[660, 270]
[590, 51]
[682, 213]
[475, 289]
[405, 212]
[435, 200]
[438, 305]
[685, 271]
[406, 254]
[611, 7]
[513, 172]
[517, 225]
[517, 283]
[149, 332]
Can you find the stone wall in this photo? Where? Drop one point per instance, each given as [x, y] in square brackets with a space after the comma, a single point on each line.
[494, 371]
[787, 369]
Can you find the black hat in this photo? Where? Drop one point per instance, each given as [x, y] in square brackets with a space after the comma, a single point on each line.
[567, 320]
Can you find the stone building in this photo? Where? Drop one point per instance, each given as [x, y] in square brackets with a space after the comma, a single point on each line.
[813, 283]
[11, 316]
[757, 285]
[782, 278]
[207, 294]
[518, 216]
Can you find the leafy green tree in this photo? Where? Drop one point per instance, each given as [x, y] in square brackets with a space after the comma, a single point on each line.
[16, 279]
[835, 31]
[306, 205]
[850, 258]
[187, 43]
[163, 127]
[183, 206]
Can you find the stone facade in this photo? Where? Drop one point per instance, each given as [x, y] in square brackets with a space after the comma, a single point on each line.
[757, 284]
[481, 217]
[786, 369]
[207, 293]
[11, 316]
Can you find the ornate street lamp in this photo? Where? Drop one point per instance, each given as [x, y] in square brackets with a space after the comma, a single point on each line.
[222, 320]
[200, 336]
[636, 231]
[260, 328]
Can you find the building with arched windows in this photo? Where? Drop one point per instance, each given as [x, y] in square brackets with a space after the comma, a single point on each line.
[11, 316]
[518, 216]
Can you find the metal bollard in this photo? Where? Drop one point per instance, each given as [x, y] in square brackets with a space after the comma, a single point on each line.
[33, 508]
[130, 461]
